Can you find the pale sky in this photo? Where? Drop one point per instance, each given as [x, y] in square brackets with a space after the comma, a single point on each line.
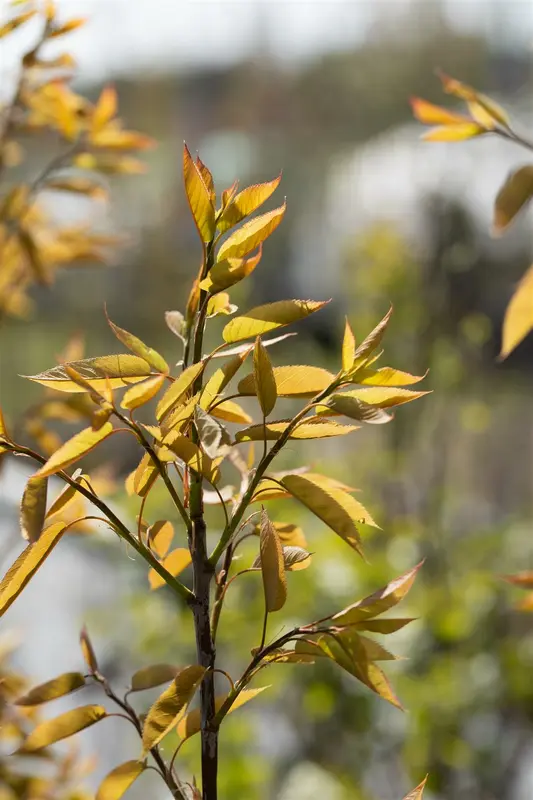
[158, 34]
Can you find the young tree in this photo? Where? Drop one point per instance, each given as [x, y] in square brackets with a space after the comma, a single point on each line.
[199, 435]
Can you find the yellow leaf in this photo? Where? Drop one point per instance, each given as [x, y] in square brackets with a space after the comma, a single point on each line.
[293, 381]
[338, 509]
[118, 370]
[140, 349]
[516, 192]
[175, 563]
[221, 377]
[314, 428]
[33, 508]
[379, 602]
[190, 724]
[15, 23]
[51, 690]
[417, 793]
[348, 348]
[205, 172]
[269, 490]
[178, 389]
[373, 340]
[465, 92]
[430, 114]
[481, 116]
[160, 536]
[80, 444]
[54, 730]
[144, 476]
[199, 197]
[87, 650]
[384, 397]
[523, 579]
[454, 133]
[163, 714]
[105, 109]
[518, 321]
[245, 203]
[228, 272]
[190, 454]
[272, 565]
[69, 26]
[266, 318]
[152, 676]
[119, 780]
[178, 419]
[220, 304]
[386, 376]
[290, 535]
[230, 411]
[296, 558]
[3, 429]
[142, 393]
[83, 186]
[251, 235]
[27, 565]
[264, 381]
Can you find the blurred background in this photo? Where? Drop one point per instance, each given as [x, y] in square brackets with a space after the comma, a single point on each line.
[319, 90]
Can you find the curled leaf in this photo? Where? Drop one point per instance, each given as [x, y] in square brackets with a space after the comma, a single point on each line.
[33, 508]
[162, 716]
[272, 565]
[264, 381]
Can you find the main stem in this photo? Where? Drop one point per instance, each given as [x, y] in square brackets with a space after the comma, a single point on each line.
[203, 573]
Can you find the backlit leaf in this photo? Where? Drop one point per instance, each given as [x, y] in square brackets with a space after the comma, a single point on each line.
[417, 793]
[293, 381]
[190, 454]
[33, 508]
[518, 320]
[105, 108]
[140, 349]
[290, 535]
[80, 444]
[58, 687]
[219, 304]
[264, 381]
[516, 192]
[16, 22]
[54, 730]
[373, 340]
[144, 476]
[119, 780]
[246, 202]
[382, 625]
[205, 172]
[266, 318]
[163, 714]
[178, 389]
[296, 558]
[379, 602]
[178, 419]
[142, 393]
[383, 397]
[152, 676]
[338, 509]
[386, 376]
[348, 348]
[213, 437]
[251, 235]
[454, 133]
[221, 377]
[430, 114]
[87, 650]
[199, 197]
[228, 272]
[230, 411]
[190, 723]
[27, 565]
[272, 565]
[465, 92]
[175, 563]
[160, 536]
[313, 428]
[119, 370]
[3, 428]
[353, 408]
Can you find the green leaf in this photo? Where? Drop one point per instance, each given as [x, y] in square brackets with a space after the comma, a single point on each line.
[73, 449]
[152, 676]
[251, 235]
[27, 565]
[33, 508]
[54, 730]
[119, 780]
[292, 381]
[115, 371]
[162, 716]
[51, 690]
[263, 319]
[516, 192]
